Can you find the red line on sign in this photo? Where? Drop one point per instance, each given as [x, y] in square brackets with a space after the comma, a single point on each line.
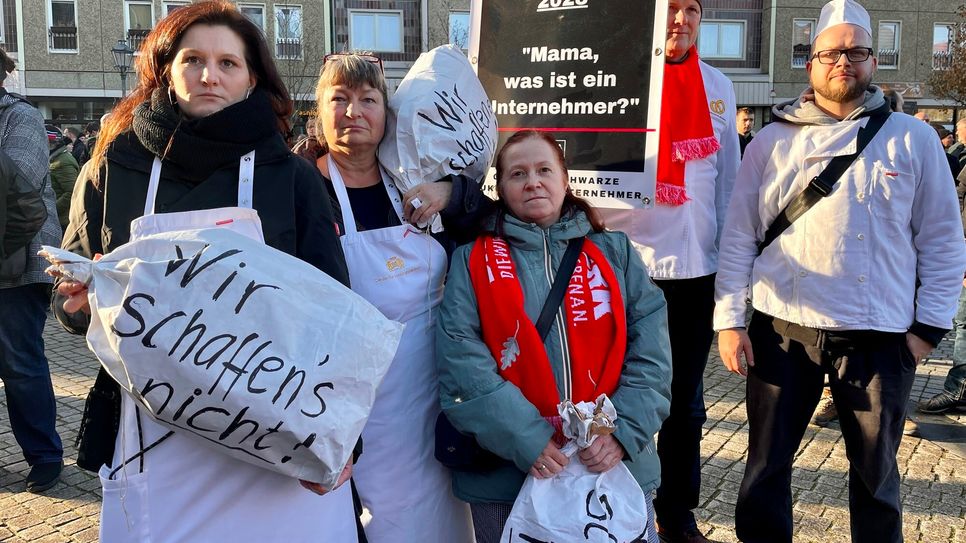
[634, 130]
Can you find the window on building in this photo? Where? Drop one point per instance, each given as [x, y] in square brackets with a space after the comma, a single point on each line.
[888, 52]
[8, 27]
[801, 41]
[62, 25]
[377, 31]
[288, 31]
[170, 7]
[138, 20]
[95, 110]
[64, 111]
[255, 13]
[459, 29]
[942, 39]
[722, 39]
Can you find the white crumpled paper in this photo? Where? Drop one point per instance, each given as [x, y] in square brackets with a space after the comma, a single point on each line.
[439, 122]
[246, 349]
[575, 504]
[585, 421]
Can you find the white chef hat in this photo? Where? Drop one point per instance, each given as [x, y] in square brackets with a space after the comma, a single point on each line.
[839, 12]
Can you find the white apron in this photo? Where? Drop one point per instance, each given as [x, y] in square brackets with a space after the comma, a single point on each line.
[409, 494]
[179, 490]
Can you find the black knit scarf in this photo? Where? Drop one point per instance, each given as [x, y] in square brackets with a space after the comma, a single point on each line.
[194, 148]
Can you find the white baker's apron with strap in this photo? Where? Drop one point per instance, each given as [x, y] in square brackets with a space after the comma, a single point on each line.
[409, 494]
[172, 489]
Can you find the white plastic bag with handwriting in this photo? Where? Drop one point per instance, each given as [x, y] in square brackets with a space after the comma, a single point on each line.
[439, 122]
[575, 504]
[249, 350]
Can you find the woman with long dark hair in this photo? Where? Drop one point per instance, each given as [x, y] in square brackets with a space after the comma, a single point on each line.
[202, 135]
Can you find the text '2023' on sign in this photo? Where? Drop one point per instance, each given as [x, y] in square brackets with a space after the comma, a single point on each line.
[553, 5]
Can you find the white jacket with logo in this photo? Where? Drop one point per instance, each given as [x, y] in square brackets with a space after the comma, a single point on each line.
[681, 242]
[850, 262]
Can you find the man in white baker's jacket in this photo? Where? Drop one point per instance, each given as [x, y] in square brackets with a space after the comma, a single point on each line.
[698, 157]
[860, 288]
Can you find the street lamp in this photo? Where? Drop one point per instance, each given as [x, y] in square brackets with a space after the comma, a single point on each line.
[122, 62]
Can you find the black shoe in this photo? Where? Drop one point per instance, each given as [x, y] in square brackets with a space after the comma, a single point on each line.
[941, 403]
[44, 476]
[687, 536]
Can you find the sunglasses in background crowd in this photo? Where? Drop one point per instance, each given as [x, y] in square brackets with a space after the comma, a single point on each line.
[368, 58]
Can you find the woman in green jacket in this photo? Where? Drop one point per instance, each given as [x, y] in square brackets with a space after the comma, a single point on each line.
[63, 175]
[609, 336]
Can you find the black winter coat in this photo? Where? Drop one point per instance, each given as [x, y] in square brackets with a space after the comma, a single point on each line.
[288, 195]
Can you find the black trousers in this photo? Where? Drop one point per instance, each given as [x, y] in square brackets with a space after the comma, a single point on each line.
[870, 376]
[690, 308]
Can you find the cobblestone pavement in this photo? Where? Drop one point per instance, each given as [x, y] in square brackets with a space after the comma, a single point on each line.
[933, 487]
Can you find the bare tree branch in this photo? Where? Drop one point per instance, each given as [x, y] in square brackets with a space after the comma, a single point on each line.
[440, 30]
[295, 62]
[948, 79]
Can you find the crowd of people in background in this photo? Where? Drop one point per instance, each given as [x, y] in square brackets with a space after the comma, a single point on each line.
[838, 221]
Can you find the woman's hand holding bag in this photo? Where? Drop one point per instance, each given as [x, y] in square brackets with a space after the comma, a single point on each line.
[596, 499]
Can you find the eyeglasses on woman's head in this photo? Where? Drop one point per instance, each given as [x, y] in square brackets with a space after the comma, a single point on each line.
[342, 56]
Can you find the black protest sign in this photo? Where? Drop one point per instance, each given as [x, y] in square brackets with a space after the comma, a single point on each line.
[589, 72]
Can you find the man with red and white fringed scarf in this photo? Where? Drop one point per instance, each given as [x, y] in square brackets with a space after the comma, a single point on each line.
[698, 157]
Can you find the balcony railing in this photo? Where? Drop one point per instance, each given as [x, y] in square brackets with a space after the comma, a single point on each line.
[942, 60]
[888, 58]
[288, 48]
[135, 37]
[62, 38]
[800, 55]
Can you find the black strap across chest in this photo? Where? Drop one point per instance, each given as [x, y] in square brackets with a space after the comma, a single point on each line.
[821, 185]
[560, 283]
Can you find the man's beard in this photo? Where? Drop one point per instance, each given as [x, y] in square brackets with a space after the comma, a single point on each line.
[845, 92]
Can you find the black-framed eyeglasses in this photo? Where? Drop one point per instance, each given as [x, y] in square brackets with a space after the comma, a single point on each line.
[832, 56]
[368, 58]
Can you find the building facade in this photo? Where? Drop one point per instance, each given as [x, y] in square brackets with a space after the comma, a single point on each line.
[65, 64]
[66, 67]
[763, 46]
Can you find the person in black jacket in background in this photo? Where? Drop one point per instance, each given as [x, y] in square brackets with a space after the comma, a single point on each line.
[90, 131]
[944, 136]
[78, 148]
[745, 122]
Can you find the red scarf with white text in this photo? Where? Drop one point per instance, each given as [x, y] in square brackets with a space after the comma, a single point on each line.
[686, 132]
[596, 327]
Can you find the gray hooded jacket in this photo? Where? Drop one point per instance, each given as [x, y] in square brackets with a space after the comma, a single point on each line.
[803, 111]
[24, 140]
